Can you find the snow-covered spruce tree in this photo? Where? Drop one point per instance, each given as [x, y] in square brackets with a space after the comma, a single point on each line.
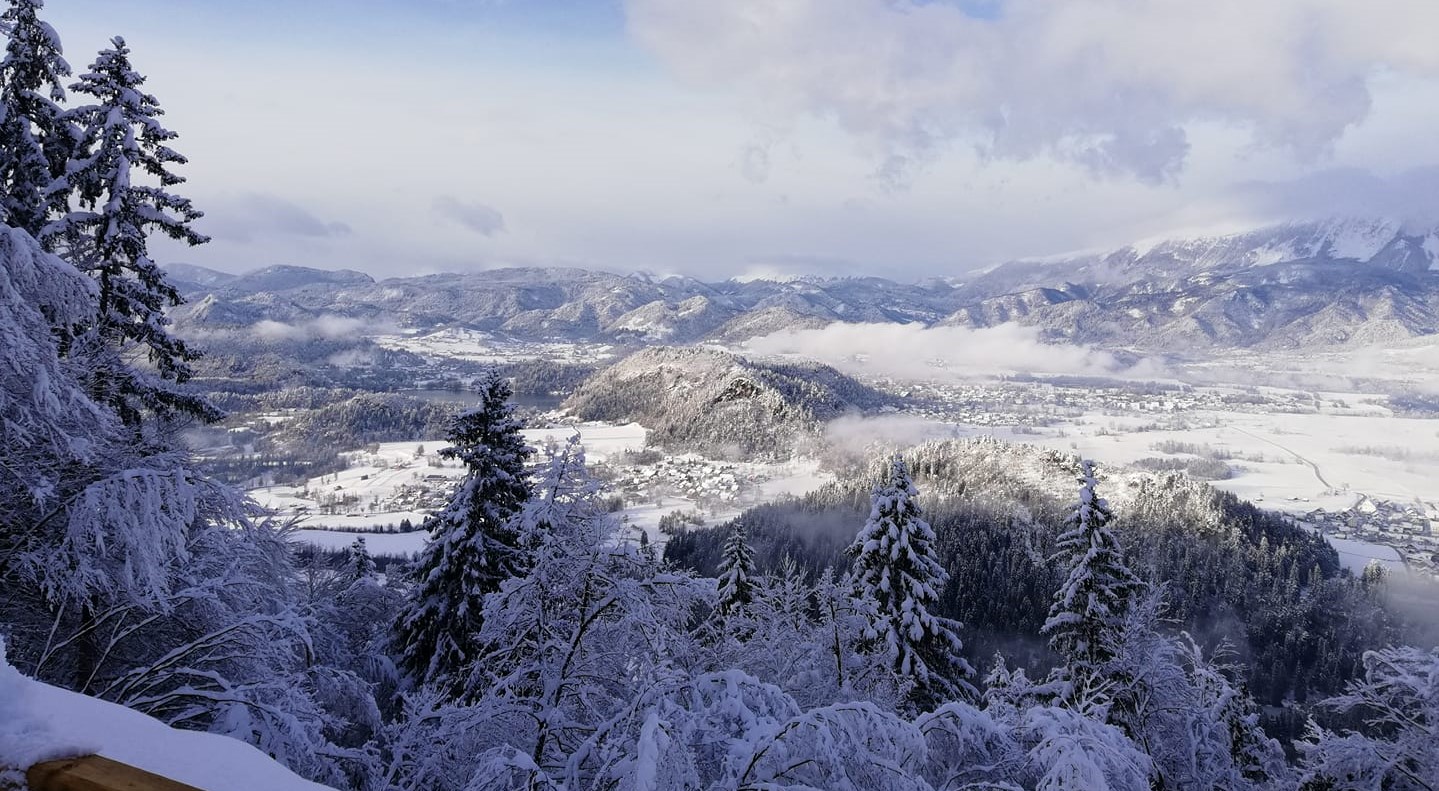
[358, 563]
[1090, 607]
[35, 138]
[737, 571]
[895, 568]
[1181, 709]
[51, 433]
[805, 639]
[48, 426]
[571, 644]
[105, 234]
[475, 542]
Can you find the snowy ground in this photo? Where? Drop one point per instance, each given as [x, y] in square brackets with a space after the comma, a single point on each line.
[789, 479]
[482, 347]
[1305, 465]
[1355, 555]
[383, 478]
[39, 722]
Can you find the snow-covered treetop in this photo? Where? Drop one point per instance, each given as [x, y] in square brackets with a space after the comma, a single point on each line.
[488, 431]
[897, 535]
[121, 133]
[34, 59]
[1090, 606]
[896, 567]
[46, 418]
[35, 140]
[1092, 509]
[737, 570]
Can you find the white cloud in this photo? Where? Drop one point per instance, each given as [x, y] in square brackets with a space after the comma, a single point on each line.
[255, 215]
[912, 351]
[1414, 363]
[326, 326]
[1410, 197]
[863, 433]
[599, 157]
[477, 217]
[1110, 84]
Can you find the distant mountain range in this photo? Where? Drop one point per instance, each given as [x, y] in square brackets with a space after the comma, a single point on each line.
[1295, 286]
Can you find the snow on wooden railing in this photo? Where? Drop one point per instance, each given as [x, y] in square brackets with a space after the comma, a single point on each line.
[97, 773]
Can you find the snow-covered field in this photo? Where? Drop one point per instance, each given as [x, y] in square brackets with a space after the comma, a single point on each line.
[482, 347]
[1290, 462]
[381, 477]
[792, 478]
[1305, 465]
[397, 471]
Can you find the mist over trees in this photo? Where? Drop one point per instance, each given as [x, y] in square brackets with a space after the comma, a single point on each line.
[936, 621]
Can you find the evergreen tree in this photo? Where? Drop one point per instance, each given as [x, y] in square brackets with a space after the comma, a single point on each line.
[359, 565]
[1089, 609]
[895, 569]
[647, 550]
[121, 142]
[584, 632]
[737, 571]
[35, 137]
[475, 543]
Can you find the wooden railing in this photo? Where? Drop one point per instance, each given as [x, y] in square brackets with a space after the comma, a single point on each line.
[97, 773]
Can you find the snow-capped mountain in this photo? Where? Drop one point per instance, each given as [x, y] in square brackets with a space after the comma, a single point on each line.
[1297, 285]
[1293, 285]
[1377, 243]
[1382, 243]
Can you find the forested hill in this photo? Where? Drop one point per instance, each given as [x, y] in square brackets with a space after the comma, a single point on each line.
[1295, 619]
[711, 401]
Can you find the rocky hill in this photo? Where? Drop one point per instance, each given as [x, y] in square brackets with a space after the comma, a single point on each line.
[700, 399]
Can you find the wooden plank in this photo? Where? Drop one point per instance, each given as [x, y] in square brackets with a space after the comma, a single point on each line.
[97, 773]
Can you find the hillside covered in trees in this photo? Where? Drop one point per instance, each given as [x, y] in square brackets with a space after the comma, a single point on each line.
[712, 401]
[1233, 577]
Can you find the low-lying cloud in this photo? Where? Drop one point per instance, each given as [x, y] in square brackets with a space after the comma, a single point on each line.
[913, 351]
[325, 327]
[1414, 364]
[1113, 85]
[861, 432]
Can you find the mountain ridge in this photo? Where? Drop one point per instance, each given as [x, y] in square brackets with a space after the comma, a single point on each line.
[1290, 286]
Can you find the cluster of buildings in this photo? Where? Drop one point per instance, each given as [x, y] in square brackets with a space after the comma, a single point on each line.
[1410, 528]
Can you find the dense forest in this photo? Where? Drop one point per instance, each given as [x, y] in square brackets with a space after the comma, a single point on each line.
[935, 623]
[1271, 595]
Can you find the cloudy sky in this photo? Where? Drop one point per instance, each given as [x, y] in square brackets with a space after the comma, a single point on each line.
[896, 137]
